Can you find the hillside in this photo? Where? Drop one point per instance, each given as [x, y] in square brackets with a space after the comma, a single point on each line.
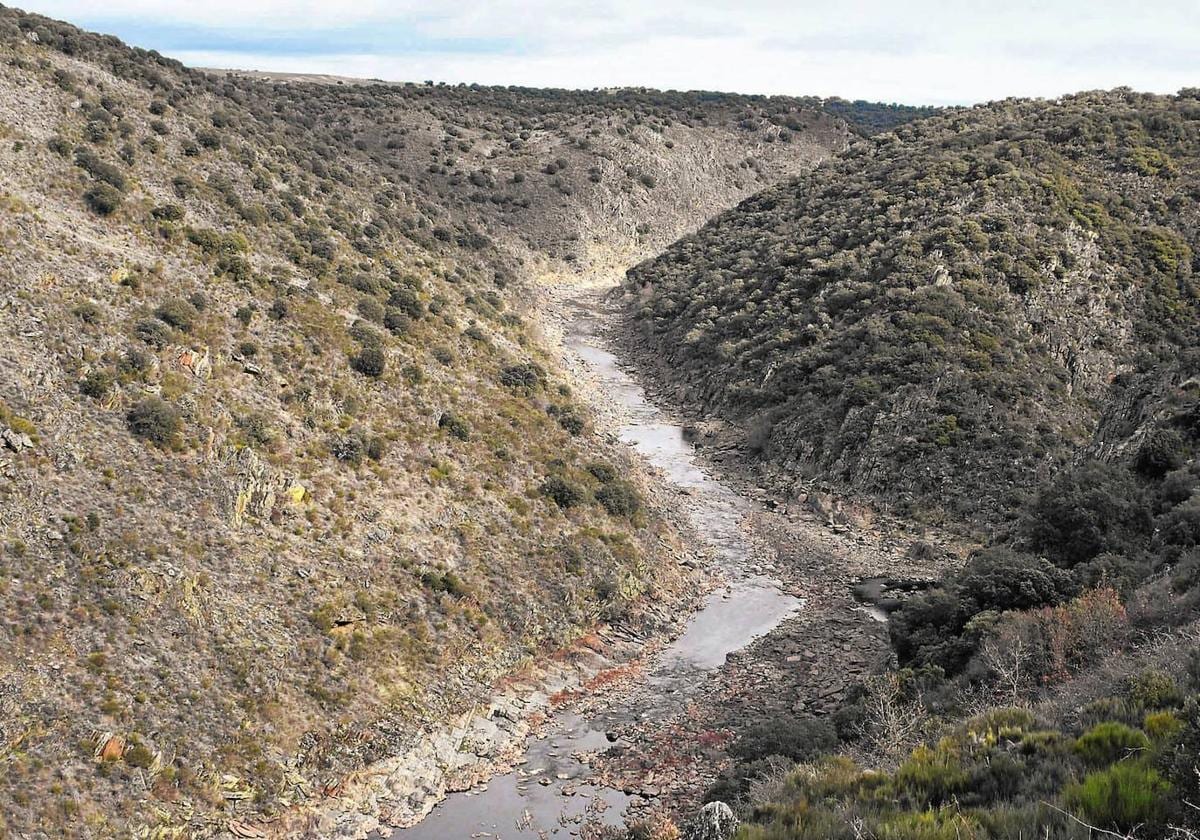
[287, 476]
[951, 311]
[990, 319]
[582, 181]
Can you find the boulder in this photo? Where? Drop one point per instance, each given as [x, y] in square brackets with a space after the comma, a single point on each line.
[716, 821]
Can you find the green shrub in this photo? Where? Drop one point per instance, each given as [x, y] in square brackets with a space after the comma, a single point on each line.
[376, 448]
[96, 384]
[87, 311]
[942, 824]
[526, 376]
[139, 756]
[571, 422]
[1045, 742]
[604, 473]
[1107, 709]
[1153, 689]
[931, 776]
[619, 498]
[1162, 451]
[397, 322]
[349, 449]
[1180, 526]
[797, 738]
[371, 309]
[1094, 508]
[370, 361]
[155, 420]
[365, 334]
[153, 332]
[447, 582]
[1109, 742]
[208, 139]
[1120, 797]
[562, 492]
[1000, 723]
[61, 146]
[179, 313]
[103, 171]
[407, 301]
[455, 425]
[168, 212]
[136, 361]
[1002, 579]
[1162, 726]
[104, 199]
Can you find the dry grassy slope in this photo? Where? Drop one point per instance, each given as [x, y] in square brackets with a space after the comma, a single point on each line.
[563, 174]
[249, 610]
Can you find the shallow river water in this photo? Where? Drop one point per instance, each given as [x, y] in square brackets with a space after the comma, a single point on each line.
[549, 793]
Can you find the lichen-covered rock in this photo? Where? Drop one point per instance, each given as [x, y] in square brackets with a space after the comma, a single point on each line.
[716, 821]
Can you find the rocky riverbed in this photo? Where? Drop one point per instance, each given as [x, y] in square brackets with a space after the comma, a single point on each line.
[642, 713]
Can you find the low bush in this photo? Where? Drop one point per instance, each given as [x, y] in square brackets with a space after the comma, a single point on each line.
[370, 361]
[1121, 798]
[87, 311]
[931, 776]
[1153, 689]
[796, 738]
[371, 309]
[155, 420]
[1162, 727]
[454, 425]
[526, 376]
[407, 301]
[562, 492]
[96, 384]
[1109, 742]
[1163, 450]
[349, 449]
[619, 498]
[1091, 509]
[153, 332]
[177, 312]
[104, 199]
[397, 322]
[571, 422]
[168, 212]
[365, 334]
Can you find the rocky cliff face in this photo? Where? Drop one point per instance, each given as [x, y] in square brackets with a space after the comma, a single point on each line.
[950, 311]
[286, 474]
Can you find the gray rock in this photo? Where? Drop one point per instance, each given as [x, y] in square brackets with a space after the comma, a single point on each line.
[716, 821]
[16, 441]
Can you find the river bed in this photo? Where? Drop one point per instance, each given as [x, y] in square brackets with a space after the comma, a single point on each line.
[550, 792]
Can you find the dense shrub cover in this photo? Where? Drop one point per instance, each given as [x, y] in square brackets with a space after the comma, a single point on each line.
[939, 315]
[1003, 774]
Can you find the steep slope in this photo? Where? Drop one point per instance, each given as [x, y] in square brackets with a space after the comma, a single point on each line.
[574, 180]
[951, 311]
[991, 314]
[285, 474]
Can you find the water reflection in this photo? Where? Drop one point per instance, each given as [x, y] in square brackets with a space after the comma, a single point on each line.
[549, 792]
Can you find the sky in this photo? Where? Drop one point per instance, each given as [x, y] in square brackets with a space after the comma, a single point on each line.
[916, 52]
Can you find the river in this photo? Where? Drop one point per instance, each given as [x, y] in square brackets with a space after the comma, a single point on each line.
[550, 793]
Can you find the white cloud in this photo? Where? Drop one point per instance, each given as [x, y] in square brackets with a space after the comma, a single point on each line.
[930, 51]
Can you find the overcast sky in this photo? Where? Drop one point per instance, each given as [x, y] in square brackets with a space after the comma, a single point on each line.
[921, 52]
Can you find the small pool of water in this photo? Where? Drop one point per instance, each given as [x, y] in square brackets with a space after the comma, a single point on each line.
[550, 793]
